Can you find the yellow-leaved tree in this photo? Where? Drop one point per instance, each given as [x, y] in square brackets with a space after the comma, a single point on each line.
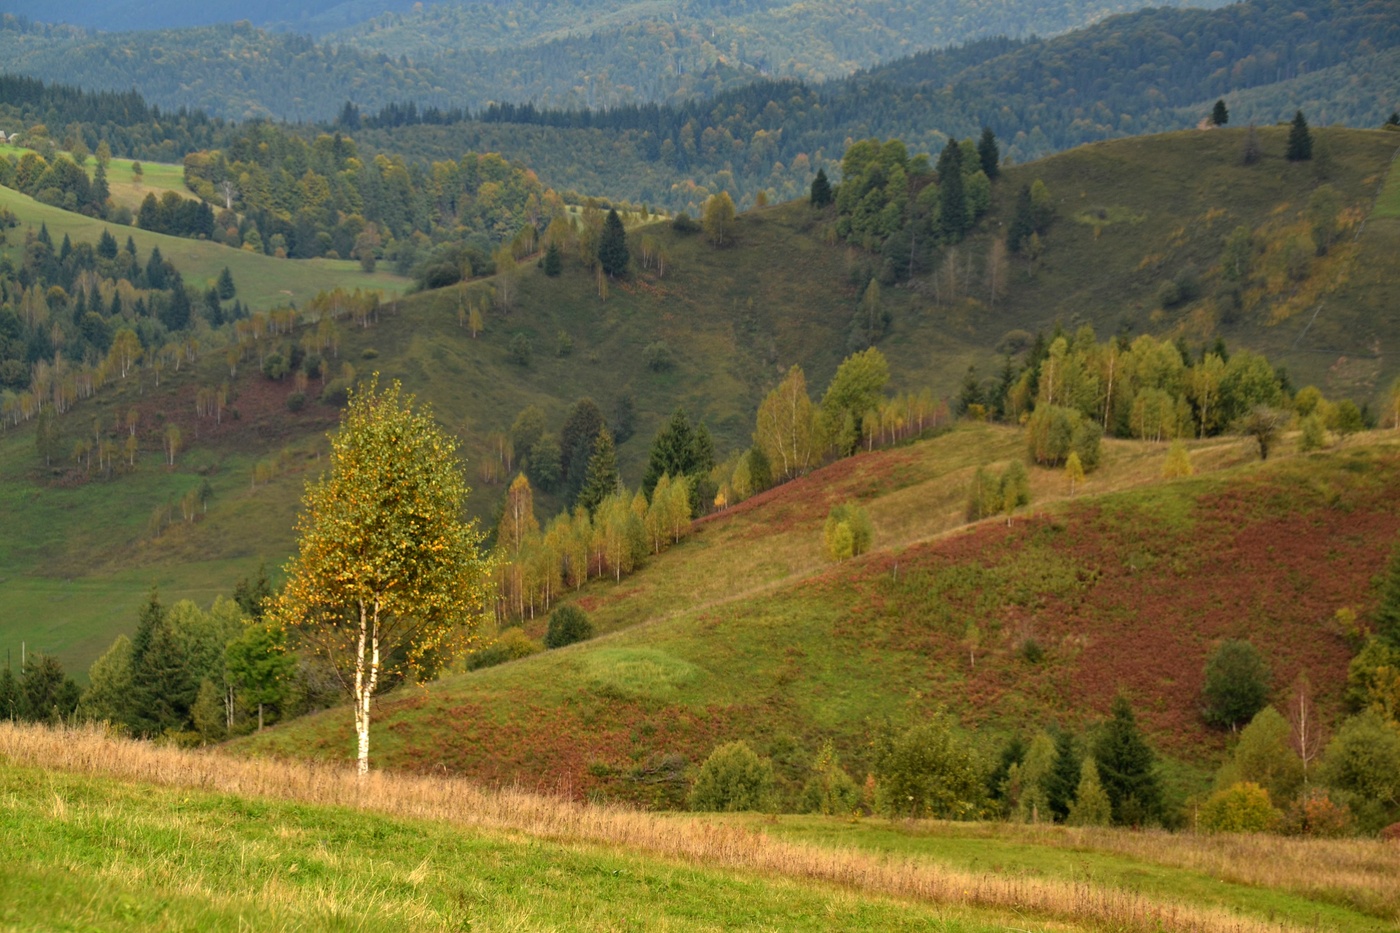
[388, 579]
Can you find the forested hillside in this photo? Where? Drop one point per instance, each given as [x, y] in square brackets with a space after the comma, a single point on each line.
[589, 53]
[1130, 75]
[301, 15]
[1143, 72]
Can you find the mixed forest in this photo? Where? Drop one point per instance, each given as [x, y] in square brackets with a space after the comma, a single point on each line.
[903, 463]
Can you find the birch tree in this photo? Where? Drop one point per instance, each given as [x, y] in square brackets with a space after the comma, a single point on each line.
[388, 578]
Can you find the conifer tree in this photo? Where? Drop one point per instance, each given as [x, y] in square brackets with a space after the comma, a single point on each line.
[553, 260]
[953, 218]
[225, 286]
[9, 696]
[988, 153]
[1220, 115]
[676, 451]
[1022, 221]
[46, 694]
[821, 194]
[612, 246]
[1126, 764]
[1299, 139]
[601, 480]
[1063, 778]
[162, 689]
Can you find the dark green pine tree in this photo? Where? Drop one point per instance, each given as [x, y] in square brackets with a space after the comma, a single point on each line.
[100, 191]
[225, 285]
[576, 440]
[1388, 612]
[1299, 139]
[107, 245]
[44, 236]
[155, 270]
[162, 689]
[1394, 118]
[1062, 783]
[953, 219]
[681, 450]
[46, 693]
[1126, 769]
[988, 153]
[603, 479]
[971, 391]
[612, 246]
[1022, 221]
[1220, 115]
[553, 260]
[9, 696]
[821, 190]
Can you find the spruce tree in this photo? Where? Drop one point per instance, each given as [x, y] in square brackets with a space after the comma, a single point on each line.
[553, 260]
[988, 153]
[1299, 139]
[1022, 221]
[821, 190]
[612, 246]
[1126, 768]
[225, 286]
[682, 450]
[46, 693]
[9, 696]
[1220, 115]
[107, 245]
[602, 479]
[952, 199]
[162, 689]
[1063, 779]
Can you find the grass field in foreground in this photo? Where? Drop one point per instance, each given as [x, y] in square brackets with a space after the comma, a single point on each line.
[122, 835]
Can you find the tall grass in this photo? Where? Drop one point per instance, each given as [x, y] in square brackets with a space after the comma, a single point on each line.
[91, 751]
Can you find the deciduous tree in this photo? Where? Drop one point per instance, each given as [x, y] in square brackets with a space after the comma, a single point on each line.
[387, 574]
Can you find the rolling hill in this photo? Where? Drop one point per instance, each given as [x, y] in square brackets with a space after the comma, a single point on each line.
[80, 551]
[744, 631]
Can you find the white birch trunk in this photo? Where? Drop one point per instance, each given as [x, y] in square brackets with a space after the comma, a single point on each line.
[366, 679]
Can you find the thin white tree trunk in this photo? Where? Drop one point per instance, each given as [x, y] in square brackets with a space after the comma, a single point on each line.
[362, 694]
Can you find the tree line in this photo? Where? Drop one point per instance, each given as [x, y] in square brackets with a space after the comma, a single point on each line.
[186, 674]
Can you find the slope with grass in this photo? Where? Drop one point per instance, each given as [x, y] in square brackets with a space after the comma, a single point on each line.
[125, 836]
[1121, 591]
[731, 318]
[263, 281]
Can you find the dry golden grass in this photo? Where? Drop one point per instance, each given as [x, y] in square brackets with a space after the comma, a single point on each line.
[91, 751]
[1365, 871]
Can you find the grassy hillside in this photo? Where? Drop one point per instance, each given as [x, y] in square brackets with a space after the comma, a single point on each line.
[263, 281]
[746, 634]
[125, 836]
[732, 319]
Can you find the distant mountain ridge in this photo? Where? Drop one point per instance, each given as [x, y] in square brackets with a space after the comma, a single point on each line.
[241, 60]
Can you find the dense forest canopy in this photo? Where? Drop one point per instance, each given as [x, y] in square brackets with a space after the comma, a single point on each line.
[583, 53]
[1131, 74]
